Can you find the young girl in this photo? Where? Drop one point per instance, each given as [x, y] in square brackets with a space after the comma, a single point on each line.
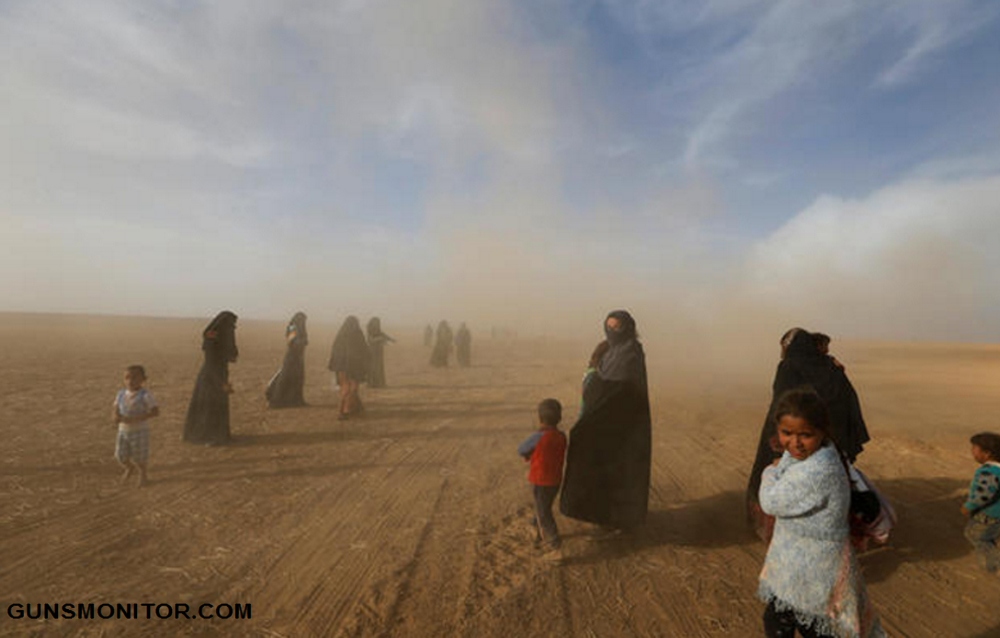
[983, 505]
[811, 579]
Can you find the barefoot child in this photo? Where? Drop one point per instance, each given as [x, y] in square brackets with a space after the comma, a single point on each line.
[811, 580]
[546, 451]
[983, 505]
[134, 406]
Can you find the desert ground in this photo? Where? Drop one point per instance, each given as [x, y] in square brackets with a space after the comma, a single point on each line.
[413, 521]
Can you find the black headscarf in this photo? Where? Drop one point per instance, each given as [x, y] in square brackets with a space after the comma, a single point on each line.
[350, 350]
[374, 327]
[298, 324]
[624, 359]
[220, 336]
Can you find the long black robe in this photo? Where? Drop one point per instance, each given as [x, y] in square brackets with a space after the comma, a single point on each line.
[285, 389]
[442, 346]
[609, 455]
[208, 413]
[349, 353]
[376, 346]
[805, 365]
[463, 346]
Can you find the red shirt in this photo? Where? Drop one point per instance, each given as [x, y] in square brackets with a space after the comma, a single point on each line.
[547, 459]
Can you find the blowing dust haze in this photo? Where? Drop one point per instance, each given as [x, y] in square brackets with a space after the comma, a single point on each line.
[506, 165]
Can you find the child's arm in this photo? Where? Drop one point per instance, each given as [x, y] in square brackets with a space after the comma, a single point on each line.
[527, 447]
[139, 418]
[787, 495]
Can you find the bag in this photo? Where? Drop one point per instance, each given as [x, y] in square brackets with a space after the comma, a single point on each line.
[871, 515]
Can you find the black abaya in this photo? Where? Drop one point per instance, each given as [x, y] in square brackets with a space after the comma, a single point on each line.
[442, 346]
[286, 386]
[376, 345]
[208, 413]
[463, 346]
[804, 365]
[609, 455]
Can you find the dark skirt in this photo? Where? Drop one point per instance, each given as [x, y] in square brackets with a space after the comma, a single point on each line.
[463, 353]
[608, 461]
[208, 413]
[286, 387]
[439, 357]
[376, 371]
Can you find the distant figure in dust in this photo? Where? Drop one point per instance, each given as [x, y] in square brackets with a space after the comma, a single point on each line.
[207, 419]
[285, 389]
[463, 346]
[376, 344]
[428, 336]
[609, 455]
[442, 346]
[804, 364]
[349, 360]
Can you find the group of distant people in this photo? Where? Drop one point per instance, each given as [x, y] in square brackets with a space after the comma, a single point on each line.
[802, 496]
[356, 357]
[442, 340]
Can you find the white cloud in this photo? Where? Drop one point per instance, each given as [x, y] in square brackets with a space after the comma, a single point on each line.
[917, 259]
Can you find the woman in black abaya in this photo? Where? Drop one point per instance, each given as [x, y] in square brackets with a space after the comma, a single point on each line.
[376, 345]
[349, 360]
[207, 419]
[463, 346]
[442, 346]
[285, 388]
[609, 455]
[804, 364]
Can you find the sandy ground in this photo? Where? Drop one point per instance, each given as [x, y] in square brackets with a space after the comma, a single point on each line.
[413, 521]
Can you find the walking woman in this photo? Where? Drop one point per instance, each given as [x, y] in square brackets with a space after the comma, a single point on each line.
[442, 346]
[207, 419]
[349, 360]
[376, 345]
[286, 387]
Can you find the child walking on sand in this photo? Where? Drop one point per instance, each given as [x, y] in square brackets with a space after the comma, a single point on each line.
[983, 505]
[134, 406]
[811, 581]
[545, 450]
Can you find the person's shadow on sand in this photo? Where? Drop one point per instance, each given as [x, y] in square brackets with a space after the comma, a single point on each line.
[929, 526]
[712, 522]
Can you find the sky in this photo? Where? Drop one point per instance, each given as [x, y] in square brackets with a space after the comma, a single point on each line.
[708, 164]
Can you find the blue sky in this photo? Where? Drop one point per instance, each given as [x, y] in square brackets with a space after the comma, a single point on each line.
[484, 160]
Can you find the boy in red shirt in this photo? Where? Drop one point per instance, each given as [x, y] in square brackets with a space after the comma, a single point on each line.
[546, 451]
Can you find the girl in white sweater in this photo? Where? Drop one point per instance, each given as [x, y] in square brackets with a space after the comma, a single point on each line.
[810, 580]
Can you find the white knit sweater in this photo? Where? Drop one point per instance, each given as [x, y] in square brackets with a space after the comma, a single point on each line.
[810, 567]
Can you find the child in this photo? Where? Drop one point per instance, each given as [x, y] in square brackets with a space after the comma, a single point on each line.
[134, 406]
[546, 451]
[983, 505]
[811, 579]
